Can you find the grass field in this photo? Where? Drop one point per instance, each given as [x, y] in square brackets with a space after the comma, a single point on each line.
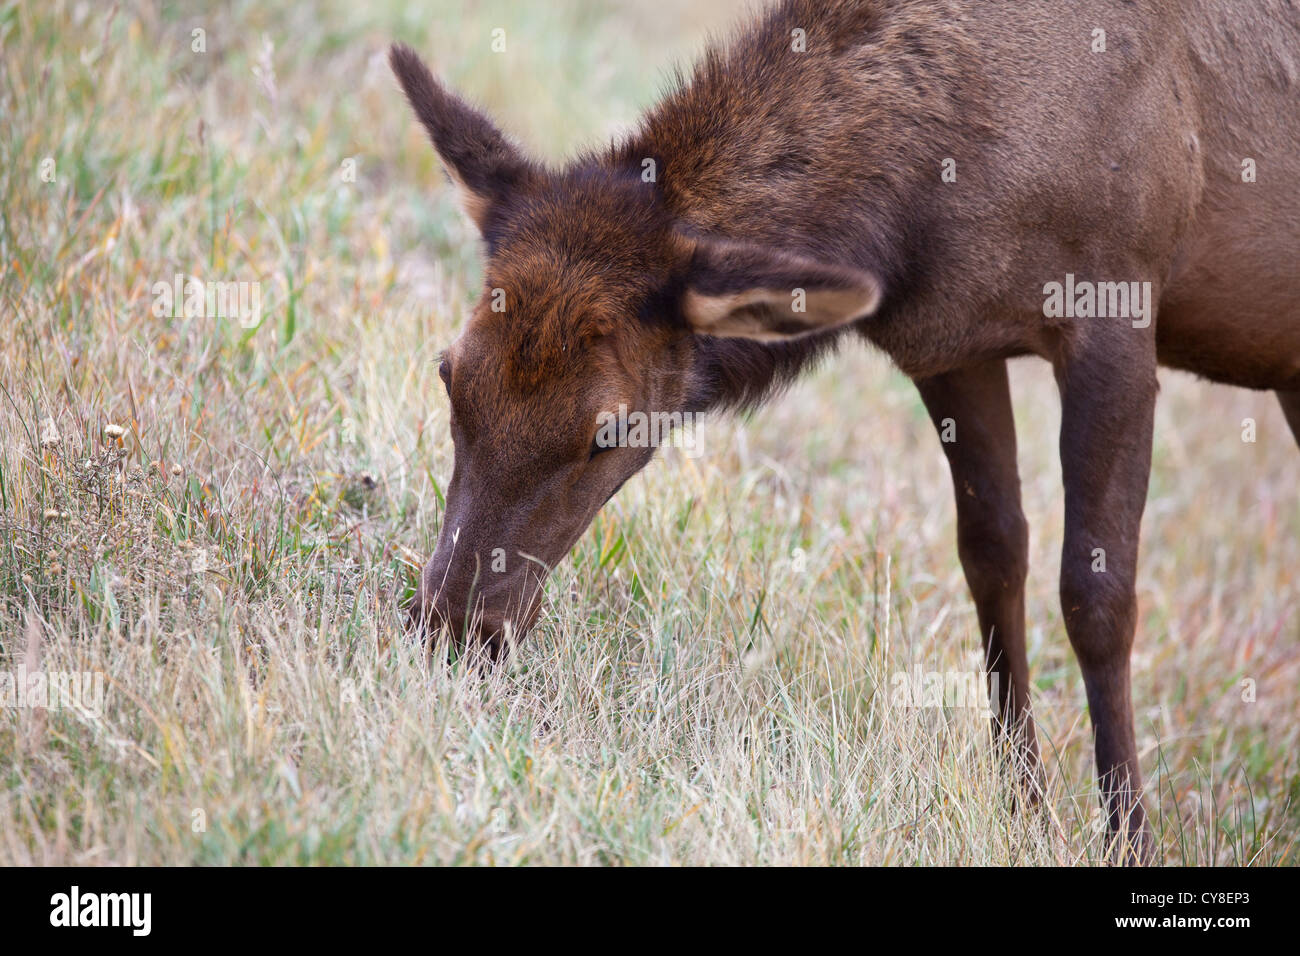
[222, 521]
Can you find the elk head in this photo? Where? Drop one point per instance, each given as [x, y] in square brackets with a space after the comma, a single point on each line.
[596, 296]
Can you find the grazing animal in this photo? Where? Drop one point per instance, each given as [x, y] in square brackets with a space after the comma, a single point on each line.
[1104, 184]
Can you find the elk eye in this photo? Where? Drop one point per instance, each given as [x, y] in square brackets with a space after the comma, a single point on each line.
[597, 448]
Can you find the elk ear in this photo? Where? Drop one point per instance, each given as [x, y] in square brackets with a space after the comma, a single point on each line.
[481, 162]
[737, 290]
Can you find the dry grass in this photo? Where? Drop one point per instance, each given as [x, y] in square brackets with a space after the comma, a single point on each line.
[712, 682]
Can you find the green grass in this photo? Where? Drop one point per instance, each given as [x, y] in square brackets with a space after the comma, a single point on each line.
[711, 680]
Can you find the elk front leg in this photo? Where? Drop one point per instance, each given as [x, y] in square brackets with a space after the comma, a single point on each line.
[1291, 408]
[971, 409]
[1108, 393]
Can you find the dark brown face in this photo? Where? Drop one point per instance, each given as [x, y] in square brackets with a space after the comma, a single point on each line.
[596, 301]
[529, 472]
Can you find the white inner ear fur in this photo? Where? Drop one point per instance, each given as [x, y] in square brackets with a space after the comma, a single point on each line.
[748, 314]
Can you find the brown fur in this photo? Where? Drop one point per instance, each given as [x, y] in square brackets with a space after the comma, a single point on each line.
[820, 171]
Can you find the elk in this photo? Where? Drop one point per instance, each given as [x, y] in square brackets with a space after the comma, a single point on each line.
[930, 175]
